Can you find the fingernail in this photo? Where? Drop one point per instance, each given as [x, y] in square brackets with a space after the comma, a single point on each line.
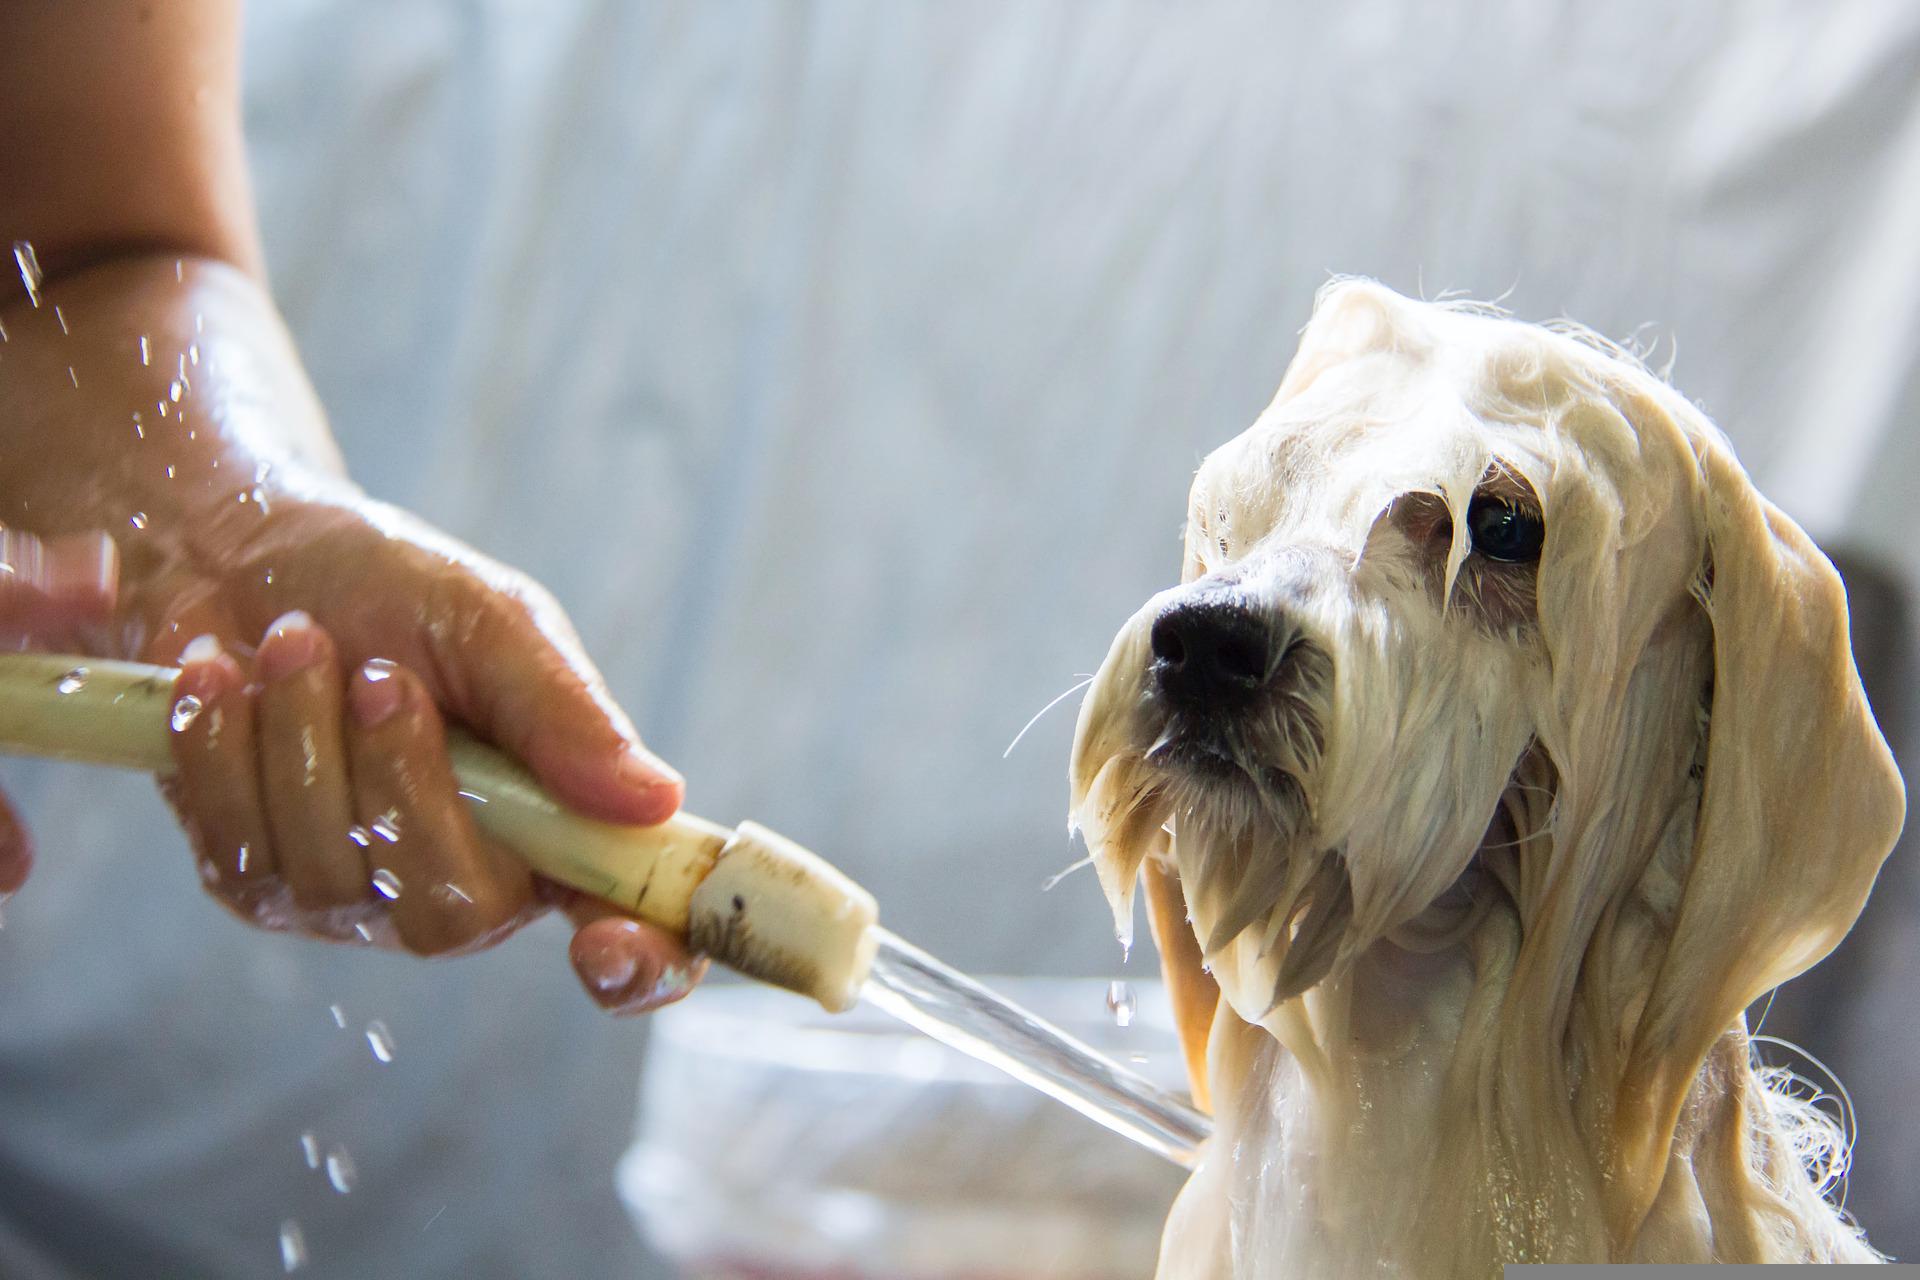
[376, 695]
[605, 959]
[202, 648]
[641, 768]
[292, 644]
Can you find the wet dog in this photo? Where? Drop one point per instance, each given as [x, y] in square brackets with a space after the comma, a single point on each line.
[1500, 745]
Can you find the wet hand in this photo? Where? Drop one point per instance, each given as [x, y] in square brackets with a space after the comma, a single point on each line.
[50, 591]
[327, 638]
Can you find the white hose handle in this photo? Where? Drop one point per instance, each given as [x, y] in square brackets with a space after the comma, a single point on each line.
[748, 897]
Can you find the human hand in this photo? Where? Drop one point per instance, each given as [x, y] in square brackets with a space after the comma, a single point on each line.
[325, 638]
[49, 592]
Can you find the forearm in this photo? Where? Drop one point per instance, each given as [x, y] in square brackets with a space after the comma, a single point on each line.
[146, 374]
[123, 131]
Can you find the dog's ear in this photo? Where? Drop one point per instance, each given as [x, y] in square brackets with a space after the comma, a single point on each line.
[1800, 800]
[1351, 316]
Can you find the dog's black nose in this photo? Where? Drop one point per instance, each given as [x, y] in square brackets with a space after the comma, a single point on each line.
[1210, 652]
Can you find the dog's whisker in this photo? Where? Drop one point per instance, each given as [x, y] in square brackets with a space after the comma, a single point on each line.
[1056, 701]
[1046, 886]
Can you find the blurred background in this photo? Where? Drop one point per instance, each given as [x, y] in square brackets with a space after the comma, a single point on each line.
[842, 367]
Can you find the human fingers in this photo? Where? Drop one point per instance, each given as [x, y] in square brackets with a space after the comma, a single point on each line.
[304, 778]
[627, 966]
[52, 588]
[513, 671]
[16, 851]
[215, 786]
[449, 887]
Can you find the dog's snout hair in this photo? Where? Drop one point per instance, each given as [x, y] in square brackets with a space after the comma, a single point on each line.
[1459, 759]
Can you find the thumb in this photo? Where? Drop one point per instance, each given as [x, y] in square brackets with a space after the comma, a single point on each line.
[53, 588]
[16, 851]
[522, 680]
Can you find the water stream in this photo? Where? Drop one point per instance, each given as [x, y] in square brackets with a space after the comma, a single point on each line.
[957, 1011]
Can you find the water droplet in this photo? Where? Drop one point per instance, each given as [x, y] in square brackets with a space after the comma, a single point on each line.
[376, 670]
[380, 1040]
[246, 855]
[269, 577]
[170, 471]
[163, 408]
[387, 826]
[185, 712]
[474, 796]
[179, 275]
[1121, 1002]
[339, 1016]
[451, 892]
[293, 1246]
[340, 1170]
[30, 273]
[193, 353]
[366, 934]
[146, 351]
[139, 518]
[73, 377]
[386, 884]
[310, 1149]
[173, 390]
[61, 316]
[73, 682]
[359, 836]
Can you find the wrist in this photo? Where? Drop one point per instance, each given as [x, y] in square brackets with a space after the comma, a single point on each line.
[149, 386]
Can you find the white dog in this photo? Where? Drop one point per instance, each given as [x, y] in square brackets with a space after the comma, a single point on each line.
[1501, 746]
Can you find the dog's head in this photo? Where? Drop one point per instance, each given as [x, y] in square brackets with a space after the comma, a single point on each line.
[1482, 624]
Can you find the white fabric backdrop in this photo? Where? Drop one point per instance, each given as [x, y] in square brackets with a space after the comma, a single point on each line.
[842, 366]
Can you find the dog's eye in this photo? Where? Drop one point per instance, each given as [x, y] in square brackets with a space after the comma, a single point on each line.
[1504, 532]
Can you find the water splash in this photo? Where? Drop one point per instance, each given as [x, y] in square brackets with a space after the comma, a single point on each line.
[61, 316]
[185, 712]
[1122, 1003]
[380, 1040]
[138, 520]
[386, 884]
[146, 351]
[340, 1170]
[339, 1016]
[387, 826]
[73, 682]
[358, 834]
[30, 273]
[293, 1247]
[310, 1149]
